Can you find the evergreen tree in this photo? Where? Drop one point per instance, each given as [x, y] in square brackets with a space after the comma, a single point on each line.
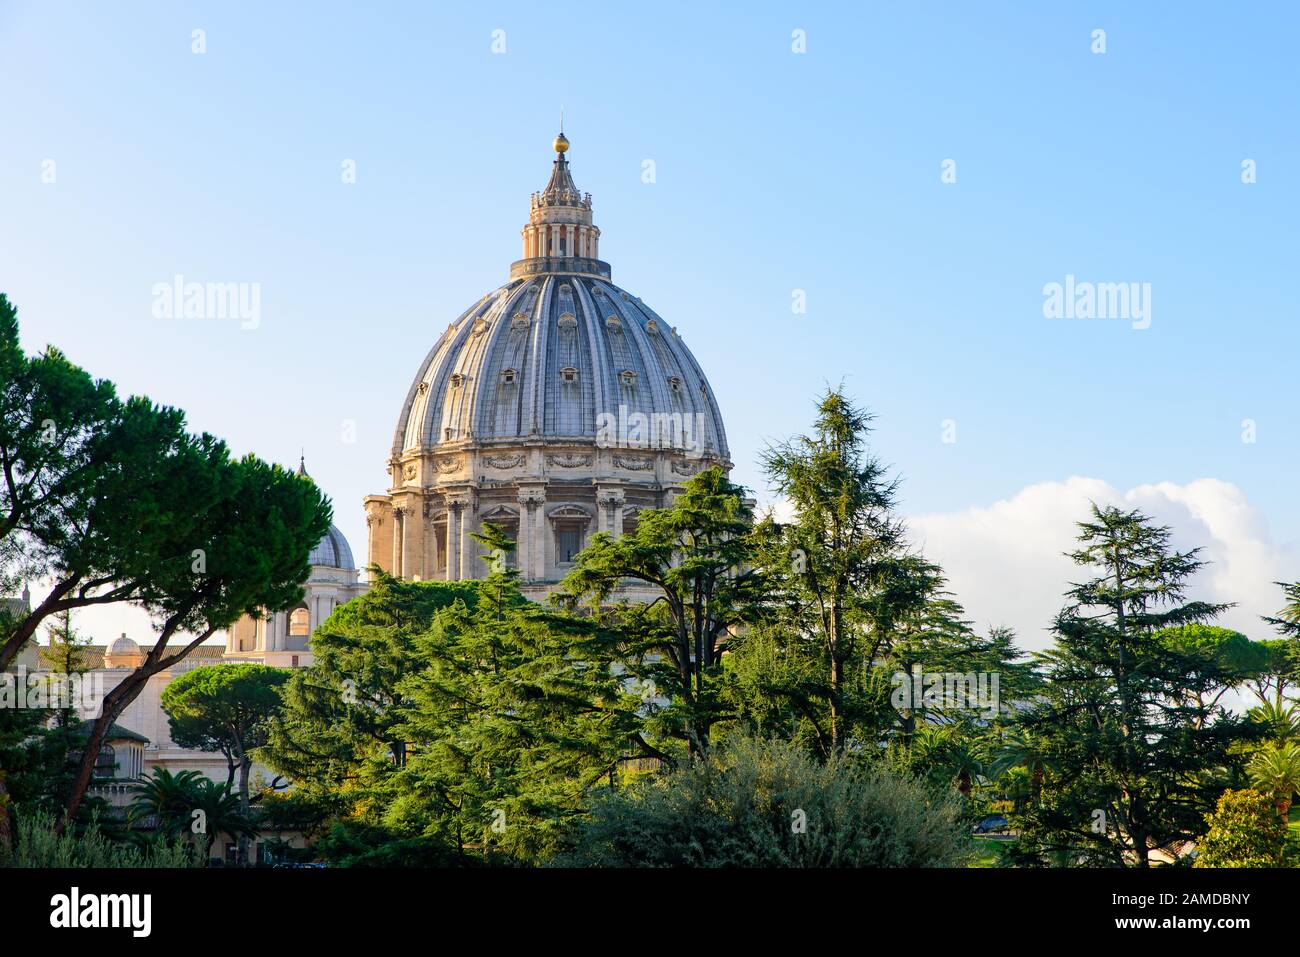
[696, 557]
[226, 708]
[1133, 756]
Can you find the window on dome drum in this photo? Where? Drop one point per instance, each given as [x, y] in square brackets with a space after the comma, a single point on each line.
[569, 541]
[299, 622]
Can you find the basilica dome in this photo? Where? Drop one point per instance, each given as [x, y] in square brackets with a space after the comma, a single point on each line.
[557, 406]
[332, 551]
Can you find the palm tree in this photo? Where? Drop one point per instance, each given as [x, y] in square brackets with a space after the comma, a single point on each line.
[950, 753]
[1275, 770]
[188, 804]
[167, 798]
[1280, 722]
[1022, 748]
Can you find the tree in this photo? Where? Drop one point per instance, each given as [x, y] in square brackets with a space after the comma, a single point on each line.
[696, 554]
[839, 565]
[1278, 723]
[257, 524]
[1135, 755]
[111, 500]
[453, 723]
[1229, 659]
[1243, 831]
[65, 655]
[191, 806]
[1275, 770]
[516, 715]
[226, 708]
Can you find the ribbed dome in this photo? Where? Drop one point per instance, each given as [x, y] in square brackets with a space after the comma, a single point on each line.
[123, 646]
[332, 551]
[544, 357]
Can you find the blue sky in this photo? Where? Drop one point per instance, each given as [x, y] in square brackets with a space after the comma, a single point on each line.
[775, 171]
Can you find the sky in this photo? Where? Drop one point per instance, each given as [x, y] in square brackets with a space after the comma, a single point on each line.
[914, 175]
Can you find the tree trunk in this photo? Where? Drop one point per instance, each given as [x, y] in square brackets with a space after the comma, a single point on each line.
[114, 704]
[6, 839]
[245, 764]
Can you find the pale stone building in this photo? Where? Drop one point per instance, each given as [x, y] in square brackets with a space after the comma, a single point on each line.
[283, 638]
[557, 406]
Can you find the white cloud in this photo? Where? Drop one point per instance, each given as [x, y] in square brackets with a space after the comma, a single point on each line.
[1005, 562]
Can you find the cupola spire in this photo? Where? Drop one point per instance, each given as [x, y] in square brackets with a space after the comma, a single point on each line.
[560, 236]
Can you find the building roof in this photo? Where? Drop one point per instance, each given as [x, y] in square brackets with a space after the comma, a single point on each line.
[545, 356]
[332, 550]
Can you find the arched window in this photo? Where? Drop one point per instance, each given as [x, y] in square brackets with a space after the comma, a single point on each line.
[299, 622]
[106, 762]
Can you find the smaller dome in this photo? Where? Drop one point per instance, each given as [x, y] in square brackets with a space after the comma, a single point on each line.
[123, 646]
[332, 551]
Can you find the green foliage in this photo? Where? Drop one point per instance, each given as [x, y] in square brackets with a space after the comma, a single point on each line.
[1135, 750]
[189, 805]
[1244, 831]
[850, 606]
[39, 844]
[756, 803]
[695, 556]
[225, 708]
[112, 500]
[1275, 770]
[468, 730]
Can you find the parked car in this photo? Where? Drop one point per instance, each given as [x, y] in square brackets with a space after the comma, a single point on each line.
[993, 824]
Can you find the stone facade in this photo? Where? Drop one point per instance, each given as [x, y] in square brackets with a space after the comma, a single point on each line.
[557, 406]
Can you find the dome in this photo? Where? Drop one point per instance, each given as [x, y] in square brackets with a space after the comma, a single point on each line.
[332, 550]
[558, 351]
[123, 646]
[555, 357]
[557, 407]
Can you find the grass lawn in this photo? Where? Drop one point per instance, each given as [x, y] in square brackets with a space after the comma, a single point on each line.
[988, 850]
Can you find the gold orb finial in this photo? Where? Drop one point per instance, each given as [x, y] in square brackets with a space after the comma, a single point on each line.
[561, 143]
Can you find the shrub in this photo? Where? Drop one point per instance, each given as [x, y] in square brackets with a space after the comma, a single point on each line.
[38, 845]
[768, 804]
[1245, 831]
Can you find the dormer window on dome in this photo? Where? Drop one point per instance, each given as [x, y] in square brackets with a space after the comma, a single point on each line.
[613, 322]
[674, 383]
[628, 376]
[568, 374]
[457, 380]
[508, 376]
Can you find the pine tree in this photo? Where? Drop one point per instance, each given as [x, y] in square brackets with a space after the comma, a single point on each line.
[1133, 756]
